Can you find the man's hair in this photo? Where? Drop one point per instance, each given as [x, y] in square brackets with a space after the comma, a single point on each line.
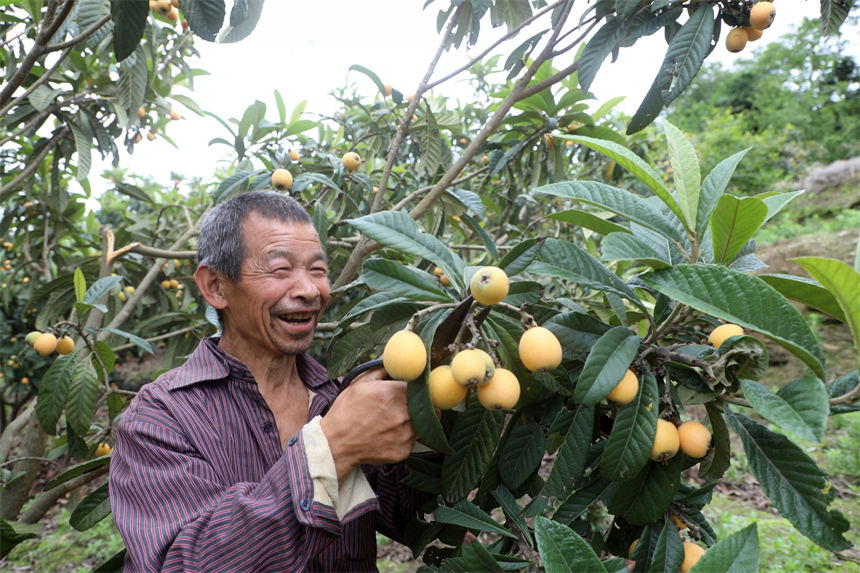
[219, 243]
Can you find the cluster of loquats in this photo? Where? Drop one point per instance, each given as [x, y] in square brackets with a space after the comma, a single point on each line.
[282, 178]
[472, 368]
[761, 16]
[690, 437]
[46, 343]
[166, 8]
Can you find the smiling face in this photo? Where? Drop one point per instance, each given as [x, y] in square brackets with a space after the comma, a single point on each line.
[282, 289]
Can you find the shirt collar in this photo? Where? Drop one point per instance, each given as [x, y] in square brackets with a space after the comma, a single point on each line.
[210, 362]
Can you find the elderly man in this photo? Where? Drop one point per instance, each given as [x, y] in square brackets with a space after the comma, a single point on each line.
[245, 458]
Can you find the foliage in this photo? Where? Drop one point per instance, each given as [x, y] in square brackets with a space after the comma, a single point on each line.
[764, 102]
[526, 177]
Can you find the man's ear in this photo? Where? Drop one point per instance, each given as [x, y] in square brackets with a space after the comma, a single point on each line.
[211, 285]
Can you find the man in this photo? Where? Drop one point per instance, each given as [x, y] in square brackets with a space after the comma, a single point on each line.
[245, 458]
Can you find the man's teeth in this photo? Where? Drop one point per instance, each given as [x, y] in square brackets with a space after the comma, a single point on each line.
[301, 317]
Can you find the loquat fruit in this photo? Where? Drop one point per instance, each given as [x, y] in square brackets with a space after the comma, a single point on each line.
[141, 112]
[404, 356]
[351, 160]
[172, 14]
[445, 392]
[692, 553]
[694, 438]
[65, 345]
[632, 548]
[539, 349]
[163, 7]
[173, 283]
[502, 392]
[666, 442]
[753, 34]
[103, 449]
[469, 367]
[294, 155]
[444, 280]
[45, 343]
[625, 391]
[762, 15]
[723, 332]
[489, 285]
[736, 40]
[32, 336]
[282, 179]
[175, 115]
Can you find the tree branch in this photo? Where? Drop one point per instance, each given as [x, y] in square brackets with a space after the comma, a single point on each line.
[31, 168]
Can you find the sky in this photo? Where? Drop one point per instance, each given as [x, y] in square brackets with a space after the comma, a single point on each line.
[305, 49]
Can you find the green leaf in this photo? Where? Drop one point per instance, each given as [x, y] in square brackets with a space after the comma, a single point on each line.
[100, 288]
[646, 497]
[833, 13]
[572, 454]
[687, 50]
[141, 343]
[419, 403]
[83, 395]
[473, 441]
[737, 553]
[373, 77]
[77, 470]
[618, 201]
[668, 551]
[243, 19]
[54, 390]
[843, 282]
[798, 488]
[205, 17]
[627, 247]
[713, 187]
[635, 165]
[133, 77]
[563, 550]
[841, 386]
[513, 512]
[800, 407]
[570, 262]
[466, 514]
[742, 299]
[733, 223]
[806, 291]
[80, 284]
[129, 18]
[92, 509]
[609, 359]
[388, 276]
[629, 445]
[598, 47]
[520, 256]
[14, 532]
[579, 502]
[114, 564]
[577, 332]
[718, 459]
[776, 201]
[521, 454]
[134, 192]
[83, 145]
[588, 221]
[397, 230]
[687, 174]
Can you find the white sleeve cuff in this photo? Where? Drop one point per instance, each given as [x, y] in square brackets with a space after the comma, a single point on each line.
[344, 497]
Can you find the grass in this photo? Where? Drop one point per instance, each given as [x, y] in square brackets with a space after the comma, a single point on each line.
[65, 549]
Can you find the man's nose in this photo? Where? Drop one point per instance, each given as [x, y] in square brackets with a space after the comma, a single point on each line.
[304, 286]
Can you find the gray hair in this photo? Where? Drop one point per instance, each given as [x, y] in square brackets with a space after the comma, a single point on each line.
[219, 243]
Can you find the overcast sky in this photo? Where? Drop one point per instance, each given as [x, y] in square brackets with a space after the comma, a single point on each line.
[304, 49]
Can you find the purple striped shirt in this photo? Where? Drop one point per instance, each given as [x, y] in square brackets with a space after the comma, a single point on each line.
[199, 482]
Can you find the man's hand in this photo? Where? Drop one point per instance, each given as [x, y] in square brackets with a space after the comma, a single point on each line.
[369, 423]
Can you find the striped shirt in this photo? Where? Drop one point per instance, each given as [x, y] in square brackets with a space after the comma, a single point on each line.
[199, 481]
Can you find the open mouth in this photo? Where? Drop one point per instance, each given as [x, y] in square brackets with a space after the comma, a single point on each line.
[297, 318]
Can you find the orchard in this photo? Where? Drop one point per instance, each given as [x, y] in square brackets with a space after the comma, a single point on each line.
[584, 331]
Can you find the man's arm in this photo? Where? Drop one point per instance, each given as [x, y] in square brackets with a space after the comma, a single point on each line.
[175, 514]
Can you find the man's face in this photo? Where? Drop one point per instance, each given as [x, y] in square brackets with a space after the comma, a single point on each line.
[282, 288]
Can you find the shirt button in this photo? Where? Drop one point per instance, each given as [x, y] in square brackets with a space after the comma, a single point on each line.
[290, 442]
[305, 504]
[267, 427]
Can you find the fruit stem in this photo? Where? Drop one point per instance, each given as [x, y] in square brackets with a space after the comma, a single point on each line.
[417, 316]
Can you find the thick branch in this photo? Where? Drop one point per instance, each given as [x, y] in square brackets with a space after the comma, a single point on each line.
[47, 499]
